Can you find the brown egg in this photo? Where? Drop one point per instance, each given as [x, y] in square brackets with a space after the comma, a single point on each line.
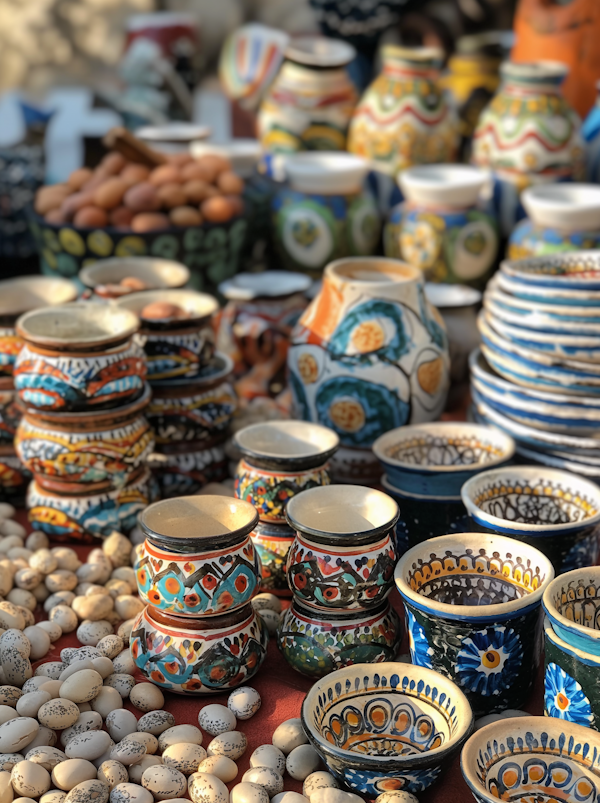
[133, 283]
[215, 164]
[180, 159]
[48, 198]
[197, 191]
[142, 198]
[195, 171]
[110, 194]
[134, 174]
[55, 217]
[230, 183]
[162, 311]
[217, 210]
[171, 195]
[165, 174]
[78, 178]
[237, 203]
[149, 221]
[185, 216]
[113, 163]
[91, 217]
[73, 203]
[121, 217]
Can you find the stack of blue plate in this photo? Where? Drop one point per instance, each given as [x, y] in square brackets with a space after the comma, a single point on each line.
[537, 374]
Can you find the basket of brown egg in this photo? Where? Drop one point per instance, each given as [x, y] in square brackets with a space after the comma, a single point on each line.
[138, 202]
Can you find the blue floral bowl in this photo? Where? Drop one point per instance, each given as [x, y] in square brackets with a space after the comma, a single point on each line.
[531, 760]
[386, 727]
[572, 604]
[473, 613]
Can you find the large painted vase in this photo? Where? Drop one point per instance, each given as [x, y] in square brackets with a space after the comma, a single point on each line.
[368, 355]
[403, 118]
[528, 134]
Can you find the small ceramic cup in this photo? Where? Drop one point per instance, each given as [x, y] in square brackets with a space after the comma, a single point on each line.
[316, 642]
[79, 357]
[198, 558]
[386, 727]
[343, 555]
[174, 347]
[571, 681]
[102, 278]
[280, 460]
[198, 656]
[473, 613]
[532, 759]
[556, 511]
[182, 469]
[572, 604]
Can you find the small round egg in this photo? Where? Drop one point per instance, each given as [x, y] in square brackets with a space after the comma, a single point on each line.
[215, 719]
[205, 788]
[318, 780]
[249, 793]
[150, 221]
[232, 744]
[244, 702]
[184, 216]
[156, 722]
[224, 768]
[164, 782]
[217, 209]
[90, 217]
[184, 757]
[289, 735]
[267, 755]
[302, 761]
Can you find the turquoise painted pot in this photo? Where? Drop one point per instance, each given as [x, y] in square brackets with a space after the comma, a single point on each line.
[572, 604]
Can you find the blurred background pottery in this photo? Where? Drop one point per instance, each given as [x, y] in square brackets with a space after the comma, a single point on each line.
[272, 543]
[354, 367]
[473, 614]
[173, 137]
[14, 477]
[181, 469]
[102, 279]
[590, 132]
[572, 605]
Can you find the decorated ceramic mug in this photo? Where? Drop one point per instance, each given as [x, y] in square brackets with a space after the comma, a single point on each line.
[199, 656]
[343, 556]
[198, 558]
[473, 613]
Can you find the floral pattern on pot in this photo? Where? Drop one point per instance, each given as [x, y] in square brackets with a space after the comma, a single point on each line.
[343, 577]
[269, 491]
[10, 346]
[191, 416]
[489, 660]
[212, 582]
[272, 543]
[52, 381]
[564, 697]
[316, 643]
[183, 473]
[420, 651]
[223, 654]
[529, 240]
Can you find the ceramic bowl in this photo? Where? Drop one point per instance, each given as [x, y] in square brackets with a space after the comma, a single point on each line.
[473, 612]
[332, 172]
[316, 643]
[173, 137]
[272, 543]
[78, 357]
[96, 450]
[22, 294]
[103, 277]
[578, 271]
[386, 727]
[557, 511]
[200, 656]
[571, 681]
[544, 317]
[572, 604]
[181, 469]
[175, 347]
[571, 206]
[438, 458]
[344, 553]
[532, 759]
[196, 409]
[443, 185]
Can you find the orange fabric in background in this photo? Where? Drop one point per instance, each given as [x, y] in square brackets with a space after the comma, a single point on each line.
[568, 33]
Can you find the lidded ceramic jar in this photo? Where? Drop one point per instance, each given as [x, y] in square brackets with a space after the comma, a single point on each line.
[102, 279]
[198, 558]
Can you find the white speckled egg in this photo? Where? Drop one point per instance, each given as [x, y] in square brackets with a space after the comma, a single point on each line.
[90, 745]
[288, 735]
[249, 793]
[179, 734]
[130, 793]
[48, 757]
[267, 755]
[18, 733]
[128, 752]
[396, 797]
[216, 719]
[205, 788]
[184, 757]
[58, 714]
[149, 741]
[164, 782]
[8, 761]
[137, 770]
[112, 773]
[92, 791]
[224, 768]
[53, 796]
[232, 744]
[266, 602]
[265, 777]
[244, 702]
[29, 779]
[82, 687]
[156, 722]
[302, 761]
[29, 704]
[289, 797]
[72, 772]
[121, 682]
[318, 780]
[16, 668]
[88, 721]
[121, 723]
[147, 697]
[327, 794]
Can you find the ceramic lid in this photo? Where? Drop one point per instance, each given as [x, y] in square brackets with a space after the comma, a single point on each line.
[153, 271]
[291, 444]
[268, 284]
[77, 326]
[25, 293]
[452, 185]
[319, 51]
[326, 172]
[173, 132]
[197, 305]
[452, 296]
[564, 206]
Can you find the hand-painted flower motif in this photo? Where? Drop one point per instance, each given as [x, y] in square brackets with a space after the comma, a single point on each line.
[374, 783]
[489, 660]
[564, 697]
[420, 651]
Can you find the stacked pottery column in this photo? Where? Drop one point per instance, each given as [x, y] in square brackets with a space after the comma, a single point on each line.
[340, 568]
[197, 571]
[80, 380]
[193, 399]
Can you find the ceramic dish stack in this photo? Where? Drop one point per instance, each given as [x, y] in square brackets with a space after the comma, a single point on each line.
[193, 399]
[80, 381]
[538, 373]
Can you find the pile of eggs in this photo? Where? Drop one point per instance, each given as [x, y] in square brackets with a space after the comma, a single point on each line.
[129, 196]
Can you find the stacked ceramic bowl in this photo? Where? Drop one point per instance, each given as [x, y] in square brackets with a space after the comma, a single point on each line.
[538, 373]
[193, 399]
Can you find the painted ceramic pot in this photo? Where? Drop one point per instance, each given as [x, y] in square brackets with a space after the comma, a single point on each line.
[324, 213]
[272, 543]
[527, 135]
[556, 511]
[571, 682]
[316, 643]
[281, 459]
[560, 218]
[572, 605]
[97, 450]
[102, 279]
[344, 554]
[591, 135]
[473, 613]
[182, 469]
[198, 558]
[196, 409]
[309, 104]
[368, 355]
[386, 728]
[200, 656]
[175, 347]
[442, 227]
[255, 327]
[14, 477]
[83, 517]
[532, 758]
[22, 294]
[560, 278]
[79, 357]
